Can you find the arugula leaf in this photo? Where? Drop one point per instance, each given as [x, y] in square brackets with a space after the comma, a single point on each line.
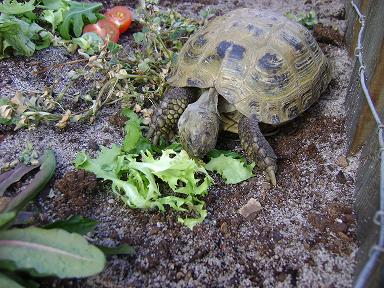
[74, 18]
[232, 170]
[132, 131]
[134, 141]
[12, 7]
[105, 164]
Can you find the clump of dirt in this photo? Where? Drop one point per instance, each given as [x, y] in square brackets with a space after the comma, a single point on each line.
[117, 120]
[335, 225]
[2, 137]
[76, 189]
[327, 35]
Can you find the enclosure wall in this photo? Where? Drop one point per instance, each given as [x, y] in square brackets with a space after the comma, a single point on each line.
[361, 127]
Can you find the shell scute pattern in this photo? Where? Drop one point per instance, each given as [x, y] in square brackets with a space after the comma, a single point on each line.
[270, 61]
[259, 62]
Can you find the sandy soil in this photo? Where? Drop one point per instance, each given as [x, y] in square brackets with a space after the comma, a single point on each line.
[304, 235]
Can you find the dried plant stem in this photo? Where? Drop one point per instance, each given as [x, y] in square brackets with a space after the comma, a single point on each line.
[58, 65]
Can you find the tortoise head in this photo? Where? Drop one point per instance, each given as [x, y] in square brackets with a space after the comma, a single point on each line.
[199, 125]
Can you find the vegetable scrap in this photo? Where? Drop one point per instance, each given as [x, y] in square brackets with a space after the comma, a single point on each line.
[137, 173]
[21, 31]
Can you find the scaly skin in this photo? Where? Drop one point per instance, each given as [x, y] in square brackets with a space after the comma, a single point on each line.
[256, 147]
[200, 124]
[165, 117]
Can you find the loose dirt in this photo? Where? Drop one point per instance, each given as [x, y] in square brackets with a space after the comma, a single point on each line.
[305, 233]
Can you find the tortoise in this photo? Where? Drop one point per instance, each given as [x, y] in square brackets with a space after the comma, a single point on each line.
[241, 69]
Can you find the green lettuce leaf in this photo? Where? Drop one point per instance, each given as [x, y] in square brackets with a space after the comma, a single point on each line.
[217, 152]
[21, 37]
[232, 170]
[55, 4]
[132, 131]
[135, 182]
[53, 17]
[12, 7]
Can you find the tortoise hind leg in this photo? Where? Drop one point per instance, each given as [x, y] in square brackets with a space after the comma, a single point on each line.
[165, 116]
[256, 147]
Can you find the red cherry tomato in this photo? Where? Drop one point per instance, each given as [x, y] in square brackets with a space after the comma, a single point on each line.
[121, 16]
[105, 29]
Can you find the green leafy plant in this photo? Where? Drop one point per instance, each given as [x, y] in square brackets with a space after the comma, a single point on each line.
[80, 225]
[74, 224]
[37, 251]
[137, 168]
[12, 7]
[89, 43]
[46, 172]
[29, 155]
[53, 252]
[135, 178]
[76, 15]
[307, 19]
[21, 32]
[21, 37]
[233, 170]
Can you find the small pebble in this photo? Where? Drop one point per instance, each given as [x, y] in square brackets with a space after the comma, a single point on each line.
[342, 161]
[137, 108]
[249, 210]
[224, 228]
[111, 201]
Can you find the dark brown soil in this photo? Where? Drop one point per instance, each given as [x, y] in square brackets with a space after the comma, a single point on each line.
[76, 188]
[327, 35]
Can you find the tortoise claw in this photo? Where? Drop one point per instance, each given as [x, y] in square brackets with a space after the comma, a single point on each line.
[271, 175]
[156, 139]
[150, 132]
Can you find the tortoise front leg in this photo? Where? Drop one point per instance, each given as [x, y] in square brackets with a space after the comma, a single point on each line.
[165, 117]
[256, 147]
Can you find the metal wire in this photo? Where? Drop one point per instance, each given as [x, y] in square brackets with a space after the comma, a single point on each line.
[373, 261]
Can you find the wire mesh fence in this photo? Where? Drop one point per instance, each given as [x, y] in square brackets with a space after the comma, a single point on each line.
[374, 257]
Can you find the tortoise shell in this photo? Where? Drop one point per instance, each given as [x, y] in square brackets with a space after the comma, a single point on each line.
[258, 61]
